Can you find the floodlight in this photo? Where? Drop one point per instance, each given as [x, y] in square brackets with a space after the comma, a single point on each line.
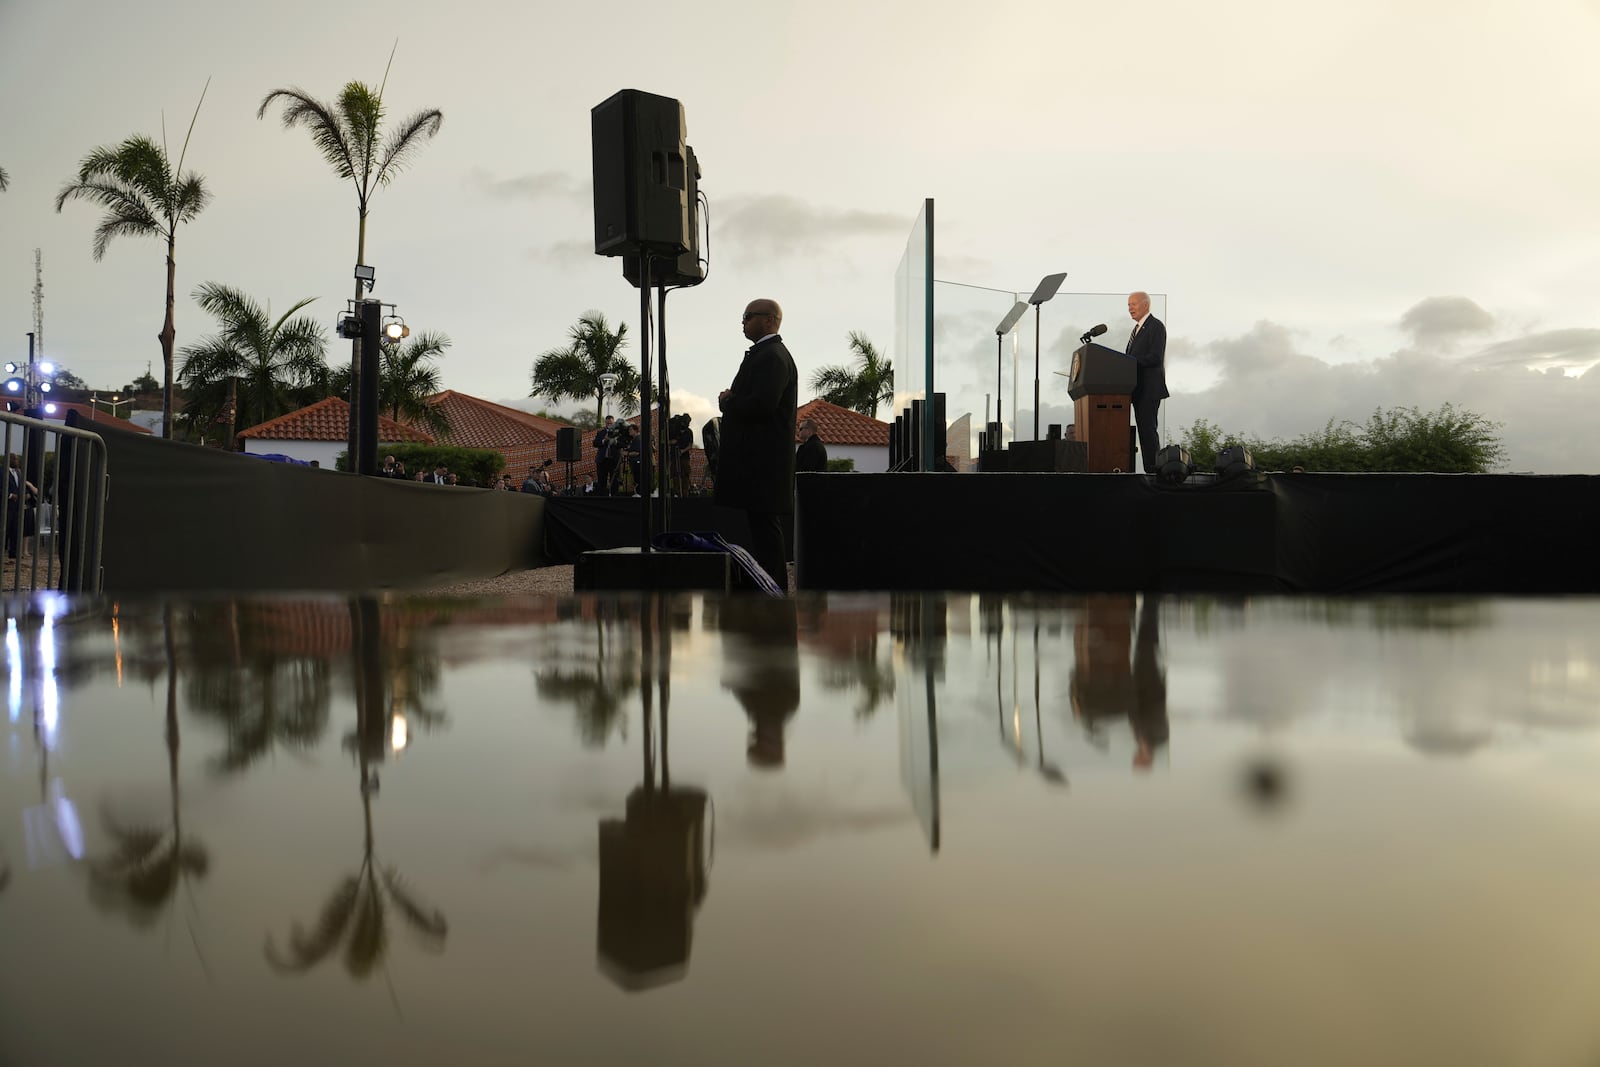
[47, 368]
[49, 409]
[365, 275]
[395, 328]
[13, 385]
[44, 387]
[1234, 461]
[349, 327]
[11, 368]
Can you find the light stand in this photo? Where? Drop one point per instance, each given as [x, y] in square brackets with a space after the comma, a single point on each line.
[1048, 285]
[1007, 324]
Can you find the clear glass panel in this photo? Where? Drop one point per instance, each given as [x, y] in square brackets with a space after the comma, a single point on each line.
[979, 373]
[911, 316]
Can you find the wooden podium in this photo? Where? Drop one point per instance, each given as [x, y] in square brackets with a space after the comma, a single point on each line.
[1099, 383]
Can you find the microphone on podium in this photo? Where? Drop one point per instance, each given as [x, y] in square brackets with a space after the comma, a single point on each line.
[1094, 331]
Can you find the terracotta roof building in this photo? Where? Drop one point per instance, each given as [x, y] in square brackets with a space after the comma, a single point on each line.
[320, 432]
[89, 415]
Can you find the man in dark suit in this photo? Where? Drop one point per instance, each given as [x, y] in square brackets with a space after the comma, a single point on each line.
[812, 455]
[1148, 347]
[755, 469]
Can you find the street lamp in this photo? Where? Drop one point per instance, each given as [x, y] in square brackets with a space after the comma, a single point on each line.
[114, 403]
[608, 382]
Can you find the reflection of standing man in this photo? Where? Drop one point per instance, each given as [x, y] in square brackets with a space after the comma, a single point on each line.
[755, 470]
[1148, 347]
[1148, 715]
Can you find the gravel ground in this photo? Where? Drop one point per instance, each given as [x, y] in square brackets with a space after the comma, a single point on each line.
[536, 582]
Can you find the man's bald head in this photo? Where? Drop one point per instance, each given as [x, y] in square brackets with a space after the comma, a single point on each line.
[762, 317]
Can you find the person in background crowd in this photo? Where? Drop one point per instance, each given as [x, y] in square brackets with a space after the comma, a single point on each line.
[605, 455]
[812, 455]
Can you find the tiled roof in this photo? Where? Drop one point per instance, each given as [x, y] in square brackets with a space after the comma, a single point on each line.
[88, 413]
[479, 423]
[841, 426]
[328, 420]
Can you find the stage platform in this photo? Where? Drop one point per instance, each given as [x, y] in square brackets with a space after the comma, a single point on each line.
[1284, 533]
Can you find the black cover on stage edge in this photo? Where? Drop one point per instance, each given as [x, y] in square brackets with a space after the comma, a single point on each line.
[1308, 533]
[578, 524]
[180, 518]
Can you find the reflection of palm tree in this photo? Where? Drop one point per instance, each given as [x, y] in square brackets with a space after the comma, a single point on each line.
[864, 671]
[599, 692]
[149, 863]
[356, 915]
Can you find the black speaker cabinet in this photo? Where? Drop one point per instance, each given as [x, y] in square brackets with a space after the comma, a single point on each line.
[569, 445]
[687, 269]
[641, 175]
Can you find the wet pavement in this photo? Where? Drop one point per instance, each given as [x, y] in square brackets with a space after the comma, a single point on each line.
[836, 829]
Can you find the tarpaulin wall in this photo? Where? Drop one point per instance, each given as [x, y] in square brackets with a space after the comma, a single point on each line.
[180, 518]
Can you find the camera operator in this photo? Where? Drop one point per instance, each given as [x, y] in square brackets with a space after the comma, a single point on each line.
[630, 443]
[681, 439]
[605, 456]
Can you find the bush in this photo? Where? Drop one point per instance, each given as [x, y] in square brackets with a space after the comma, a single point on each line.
[1447, 441]
[841, 466]
[472, 466]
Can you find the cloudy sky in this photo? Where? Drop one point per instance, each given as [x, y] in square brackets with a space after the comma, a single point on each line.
[1346, 206]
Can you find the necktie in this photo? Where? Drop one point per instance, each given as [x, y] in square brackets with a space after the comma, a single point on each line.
[1131, 336]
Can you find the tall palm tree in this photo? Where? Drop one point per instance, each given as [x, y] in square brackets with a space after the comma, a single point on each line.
[575, 372]
[267, 359]
[144, 196]
[346, 132]
[862, 388]
[407, 377]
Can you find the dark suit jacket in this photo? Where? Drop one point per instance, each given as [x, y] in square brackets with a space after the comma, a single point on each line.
[812, 455]
[1148, 348]
[755, 465]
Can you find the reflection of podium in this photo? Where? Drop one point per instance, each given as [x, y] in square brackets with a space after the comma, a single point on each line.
[1099, 383]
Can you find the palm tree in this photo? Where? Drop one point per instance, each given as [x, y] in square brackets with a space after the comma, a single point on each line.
[4, 181]
[861, 389]
[346, 133]
[575, 372]
[406, 379]
[144, 196]
[266, 360]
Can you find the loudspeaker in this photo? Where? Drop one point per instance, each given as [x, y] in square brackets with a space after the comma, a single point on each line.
[568, 445]
[641, 175]
[1234, 461]
[687, 269]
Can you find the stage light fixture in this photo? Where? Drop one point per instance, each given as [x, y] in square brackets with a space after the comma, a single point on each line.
[11, 368]
[349, 327]
[1174, 464]
[1234, 461]
[13, 386]
[395, 328]
[49, 409]
[47, 369]
[366, 275]
[45, 387]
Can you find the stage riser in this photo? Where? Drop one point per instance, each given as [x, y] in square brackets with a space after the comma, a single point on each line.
[1117, 533]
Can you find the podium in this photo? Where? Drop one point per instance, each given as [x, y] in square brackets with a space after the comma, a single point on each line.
[1099, 383]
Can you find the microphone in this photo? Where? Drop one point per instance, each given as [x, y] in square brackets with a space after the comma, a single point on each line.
[1094, 331]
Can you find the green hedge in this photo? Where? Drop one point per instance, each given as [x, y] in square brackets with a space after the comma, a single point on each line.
[472, 466]
[1447, 441]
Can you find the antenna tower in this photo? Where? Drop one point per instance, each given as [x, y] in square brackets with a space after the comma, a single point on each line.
[38, 303]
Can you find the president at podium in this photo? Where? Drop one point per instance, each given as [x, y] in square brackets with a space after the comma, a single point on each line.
[1147, 345]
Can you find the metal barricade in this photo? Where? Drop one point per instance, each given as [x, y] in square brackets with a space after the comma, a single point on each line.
[53, 509]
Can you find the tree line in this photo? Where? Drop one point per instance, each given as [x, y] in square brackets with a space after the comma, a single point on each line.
[1449, 440]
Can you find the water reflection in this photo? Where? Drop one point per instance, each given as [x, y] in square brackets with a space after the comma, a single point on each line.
[1108, 683]
[356, 913]
[761, 668]
[654, 861]
[140, 877]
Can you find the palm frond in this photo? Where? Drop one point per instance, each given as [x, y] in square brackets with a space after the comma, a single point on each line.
[327, 133]
[309, 947]
[119, 226]
[404, 140]
[5, 183]
[427, 921]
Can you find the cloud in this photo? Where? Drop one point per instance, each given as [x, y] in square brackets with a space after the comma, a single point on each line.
[542, 185]
[1267, 387]
[564, 253]
[781, 225]
[1440, 319]
[1578, 347]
